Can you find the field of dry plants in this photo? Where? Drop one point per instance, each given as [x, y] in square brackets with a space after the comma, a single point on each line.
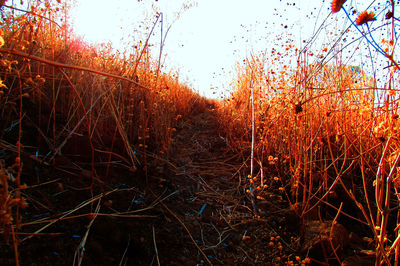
[105, 159]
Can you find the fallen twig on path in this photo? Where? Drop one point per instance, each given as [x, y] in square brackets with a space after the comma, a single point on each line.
[187, 230]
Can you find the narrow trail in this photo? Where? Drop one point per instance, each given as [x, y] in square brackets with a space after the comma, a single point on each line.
[202, 157]
[208, 205]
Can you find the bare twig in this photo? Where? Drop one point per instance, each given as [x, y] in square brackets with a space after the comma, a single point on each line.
[78, 256]
[331, 233]
[155, 246]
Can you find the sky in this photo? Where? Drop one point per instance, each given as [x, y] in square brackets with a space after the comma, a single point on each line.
[206, 37]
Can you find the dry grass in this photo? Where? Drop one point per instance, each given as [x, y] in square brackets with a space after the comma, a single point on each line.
[56, 90]
[318, 130]
[323, 131]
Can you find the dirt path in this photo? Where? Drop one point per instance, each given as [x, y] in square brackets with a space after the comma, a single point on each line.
[209, 202]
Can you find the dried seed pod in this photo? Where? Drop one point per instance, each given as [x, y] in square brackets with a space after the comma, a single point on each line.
[389, 15]
[365, 17]
[337, 5]
[298, 108]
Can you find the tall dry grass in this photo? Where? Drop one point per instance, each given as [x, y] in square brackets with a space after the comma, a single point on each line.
[324, 131]
[60, 96]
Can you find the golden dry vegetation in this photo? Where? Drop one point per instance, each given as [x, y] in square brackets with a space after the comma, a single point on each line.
[318, 139]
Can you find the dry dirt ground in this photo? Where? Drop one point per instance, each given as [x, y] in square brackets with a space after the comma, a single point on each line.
[194, 212]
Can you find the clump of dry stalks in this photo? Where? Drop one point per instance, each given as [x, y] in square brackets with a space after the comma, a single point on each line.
[324, 130]
[57, 92]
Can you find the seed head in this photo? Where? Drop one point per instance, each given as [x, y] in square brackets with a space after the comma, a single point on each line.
[389, 15]
[337, 5]
[365, 17]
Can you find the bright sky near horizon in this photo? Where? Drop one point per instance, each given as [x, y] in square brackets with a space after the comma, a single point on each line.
[206, 40]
